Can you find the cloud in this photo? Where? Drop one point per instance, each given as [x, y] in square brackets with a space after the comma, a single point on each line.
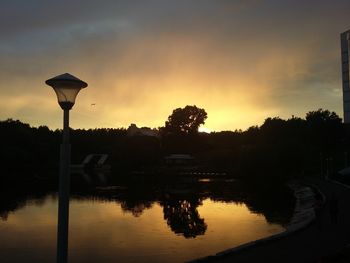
[242, 61]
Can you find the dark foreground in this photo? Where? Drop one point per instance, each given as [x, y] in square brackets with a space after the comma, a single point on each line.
[316, 243]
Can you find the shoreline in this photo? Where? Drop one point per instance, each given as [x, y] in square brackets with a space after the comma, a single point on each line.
[304, 214]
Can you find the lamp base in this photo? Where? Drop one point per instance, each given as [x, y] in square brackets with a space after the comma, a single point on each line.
[66, 105]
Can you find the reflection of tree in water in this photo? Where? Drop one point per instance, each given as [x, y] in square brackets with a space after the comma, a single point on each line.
[183, 218]
[136, 207]
[5, 214]
[277, 206]
[136, 199]
[8, 205]
[131, 200]
[274, 202]
[15, 199]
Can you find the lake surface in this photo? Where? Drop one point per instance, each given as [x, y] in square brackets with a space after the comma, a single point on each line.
[168, 223]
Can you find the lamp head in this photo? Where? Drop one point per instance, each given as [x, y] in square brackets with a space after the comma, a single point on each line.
[67, 88]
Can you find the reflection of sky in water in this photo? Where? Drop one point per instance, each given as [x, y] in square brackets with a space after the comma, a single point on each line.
[101, 231]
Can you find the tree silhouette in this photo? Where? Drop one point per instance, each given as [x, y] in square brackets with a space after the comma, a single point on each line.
[322, 116]
[185, 120]
[301, 144]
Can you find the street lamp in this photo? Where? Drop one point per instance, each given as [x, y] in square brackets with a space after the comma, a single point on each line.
[67, 88]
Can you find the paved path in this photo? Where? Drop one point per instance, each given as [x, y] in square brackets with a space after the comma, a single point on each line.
[311, 244]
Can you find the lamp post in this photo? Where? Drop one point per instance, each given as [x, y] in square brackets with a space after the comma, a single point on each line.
[67, 88]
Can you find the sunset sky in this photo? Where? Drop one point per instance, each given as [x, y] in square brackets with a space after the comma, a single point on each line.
[240, 60]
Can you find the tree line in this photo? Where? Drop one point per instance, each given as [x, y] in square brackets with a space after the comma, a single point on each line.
[279, 148]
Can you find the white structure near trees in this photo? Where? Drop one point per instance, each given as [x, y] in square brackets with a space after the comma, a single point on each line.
[133, 130]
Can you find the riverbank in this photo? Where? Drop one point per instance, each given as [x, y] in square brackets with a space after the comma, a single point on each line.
[312, 244]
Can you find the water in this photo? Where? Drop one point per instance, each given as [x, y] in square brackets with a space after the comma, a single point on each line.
[127, 224]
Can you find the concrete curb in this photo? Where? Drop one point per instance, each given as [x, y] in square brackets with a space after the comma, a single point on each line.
[338, 183]
[304, 215]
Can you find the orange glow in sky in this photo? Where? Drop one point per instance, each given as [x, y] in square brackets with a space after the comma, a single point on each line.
[242, 61]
